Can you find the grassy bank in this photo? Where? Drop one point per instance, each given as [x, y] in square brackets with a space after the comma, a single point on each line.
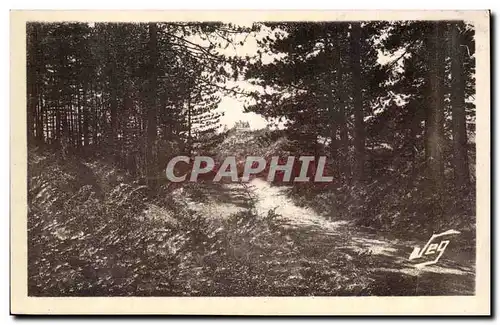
[93, 231]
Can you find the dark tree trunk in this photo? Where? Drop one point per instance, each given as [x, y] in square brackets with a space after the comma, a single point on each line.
[435, 112]
[79, 116]
[190, 136]
[415, 132]
[32, 80]
[459, 126]
[359, 134]
[57, 133]
[341, 102]
[41, 118]
[113, 111]
[72, 127]
[96, 104]
[151, 110]
[85, 119]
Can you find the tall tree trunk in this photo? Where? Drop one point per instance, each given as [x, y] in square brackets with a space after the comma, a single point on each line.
[72, 128]
[415, 132]
[32, 81]
[341, 103]
[54, 133]
[459, 126]
[152, 114]
[359, 132]
[57, 133]
[85, 119]
[95, 104]
[344, 141]
[41, 118]
[435, 112]
[113, 111]
[77, 119]
[190, 126]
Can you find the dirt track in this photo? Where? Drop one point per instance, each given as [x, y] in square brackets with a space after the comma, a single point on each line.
[386, 258]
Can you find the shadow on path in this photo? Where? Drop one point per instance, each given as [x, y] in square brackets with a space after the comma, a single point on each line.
[315, 236]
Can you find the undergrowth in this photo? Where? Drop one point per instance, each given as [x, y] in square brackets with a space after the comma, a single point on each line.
[93, 231]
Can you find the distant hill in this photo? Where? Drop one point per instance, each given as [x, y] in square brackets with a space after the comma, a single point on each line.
[243, 142]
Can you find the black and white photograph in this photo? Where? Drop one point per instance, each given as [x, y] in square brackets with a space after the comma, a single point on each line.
[256, 158]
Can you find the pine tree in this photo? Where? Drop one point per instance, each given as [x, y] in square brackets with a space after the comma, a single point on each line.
[460, 156]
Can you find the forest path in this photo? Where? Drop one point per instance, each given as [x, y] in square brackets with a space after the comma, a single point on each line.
[386, 258]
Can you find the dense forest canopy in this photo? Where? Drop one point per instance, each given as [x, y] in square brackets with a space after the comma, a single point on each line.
[142, 93]
[390, 106]
[132, 91]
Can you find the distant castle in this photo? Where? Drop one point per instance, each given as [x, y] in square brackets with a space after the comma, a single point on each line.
[241, 126]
